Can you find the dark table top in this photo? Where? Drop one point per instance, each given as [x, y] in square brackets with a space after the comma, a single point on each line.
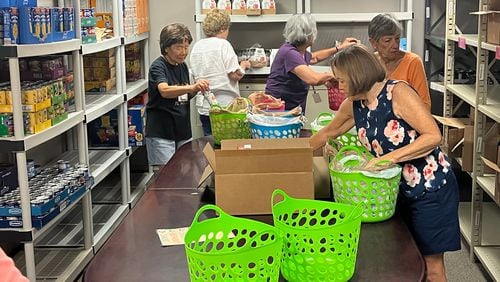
[386, 250]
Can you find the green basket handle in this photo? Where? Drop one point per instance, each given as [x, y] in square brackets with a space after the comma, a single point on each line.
[359, 206]
[324, 114]
[342, 150]
[278, 192]
[205, 208]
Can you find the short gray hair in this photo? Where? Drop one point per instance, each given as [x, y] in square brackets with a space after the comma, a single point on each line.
[300, 29]
[383, 25]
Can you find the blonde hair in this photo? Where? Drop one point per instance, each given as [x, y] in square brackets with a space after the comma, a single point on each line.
[215, 22]
[361, 66]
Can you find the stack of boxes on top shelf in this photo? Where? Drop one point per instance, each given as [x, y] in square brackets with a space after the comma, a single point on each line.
[103, 132]
[46, 92]
[135, 17]
[241, 7]
[99, 71]
[22, 22]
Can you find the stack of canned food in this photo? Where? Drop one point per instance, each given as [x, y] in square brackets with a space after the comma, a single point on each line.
[52, 188]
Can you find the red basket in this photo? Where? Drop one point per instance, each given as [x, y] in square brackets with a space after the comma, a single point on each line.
[335, 97]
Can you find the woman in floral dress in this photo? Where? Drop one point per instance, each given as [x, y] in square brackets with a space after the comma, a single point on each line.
[394, 124]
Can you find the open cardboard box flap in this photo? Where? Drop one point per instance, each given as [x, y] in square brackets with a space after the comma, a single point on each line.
[453, 122]
[490, 164]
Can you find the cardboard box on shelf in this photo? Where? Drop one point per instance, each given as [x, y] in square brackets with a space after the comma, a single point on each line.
[493, 28]
[99, 62]
[491, 141]
[247, 171]
[99, 74]
[100, 86]
[103, 132]
[496, 170]
[455, 128]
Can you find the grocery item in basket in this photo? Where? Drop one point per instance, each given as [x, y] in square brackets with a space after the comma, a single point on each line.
[376, 191]
[238, 105]
[266, 102]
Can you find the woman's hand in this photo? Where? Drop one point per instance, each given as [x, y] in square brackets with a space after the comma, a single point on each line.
[201, 85]
[347, 42]
[377, 164]
[245, 64]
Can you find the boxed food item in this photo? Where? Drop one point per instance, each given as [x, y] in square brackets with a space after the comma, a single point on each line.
[104, 20]
[95, 62]
[268, 7]
[104, 54]
[208, 5]
[100, 86]
[224, 5]
[136, 125]
[103, 132]
[247, 171]
[239, 7]
[253, 8]
[99, 74]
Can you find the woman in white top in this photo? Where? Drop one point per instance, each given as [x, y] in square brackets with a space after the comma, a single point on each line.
[213, 58]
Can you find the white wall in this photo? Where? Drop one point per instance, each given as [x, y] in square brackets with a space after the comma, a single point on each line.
[163, 12]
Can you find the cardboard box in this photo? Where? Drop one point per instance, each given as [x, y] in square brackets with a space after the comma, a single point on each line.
[99, 62]
[100, 86]
[491, 141]
[455, 128]
[493, 28]
[322, 180]
[247, 171]
[468, 148]
[98, 74]
[496, 169]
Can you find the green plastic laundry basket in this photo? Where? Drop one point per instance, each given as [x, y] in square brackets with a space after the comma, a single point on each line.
[229, 126]
[321, 238]
[321, 121]
[377, 193]
[227, 248]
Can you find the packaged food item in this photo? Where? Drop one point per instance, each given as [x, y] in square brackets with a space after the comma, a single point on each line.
[253, 8]
[239, 7]
[268, 7]
[208, 5]
[258, 58]
[224, 5]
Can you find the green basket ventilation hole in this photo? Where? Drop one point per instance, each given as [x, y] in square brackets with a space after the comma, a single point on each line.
[377, 195]
[321, 238]
[227, 248]
[229, 126]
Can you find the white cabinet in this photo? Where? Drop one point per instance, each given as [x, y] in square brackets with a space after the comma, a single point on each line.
[478, 219]
[61, 249]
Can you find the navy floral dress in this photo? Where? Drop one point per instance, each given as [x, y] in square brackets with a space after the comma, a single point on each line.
[381, 132]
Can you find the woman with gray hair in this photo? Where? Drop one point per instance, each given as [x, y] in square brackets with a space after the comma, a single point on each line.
[290, 75]
[384, 32]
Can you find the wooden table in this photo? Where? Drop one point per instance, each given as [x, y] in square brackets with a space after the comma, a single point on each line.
[386, 250]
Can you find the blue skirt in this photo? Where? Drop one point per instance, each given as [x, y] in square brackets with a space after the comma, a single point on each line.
[433, 218]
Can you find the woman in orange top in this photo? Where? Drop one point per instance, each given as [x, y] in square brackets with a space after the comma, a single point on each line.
[8, 270]
[384, 33]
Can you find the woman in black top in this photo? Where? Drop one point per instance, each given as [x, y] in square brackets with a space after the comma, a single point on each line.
[168, 123]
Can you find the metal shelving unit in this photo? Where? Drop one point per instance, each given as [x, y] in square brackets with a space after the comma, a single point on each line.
[479, 219]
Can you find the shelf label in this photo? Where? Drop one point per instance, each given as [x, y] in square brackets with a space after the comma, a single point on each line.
[497, 53]
[461, 43]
